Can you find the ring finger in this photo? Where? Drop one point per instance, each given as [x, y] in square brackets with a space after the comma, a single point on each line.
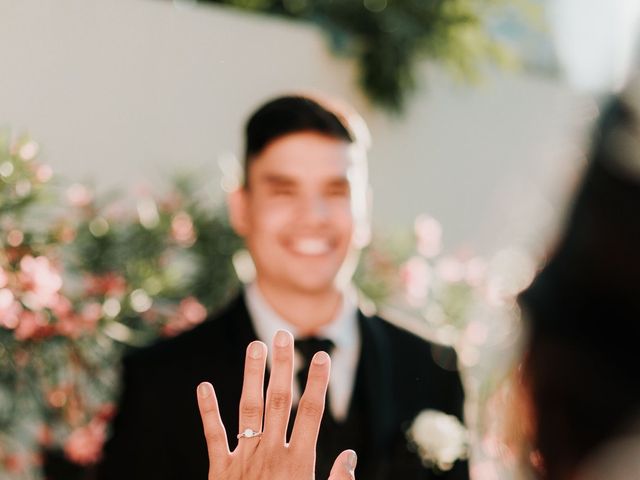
[252, 399]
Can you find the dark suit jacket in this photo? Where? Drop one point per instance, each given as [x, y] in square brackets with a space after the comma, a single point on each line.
[158, 434]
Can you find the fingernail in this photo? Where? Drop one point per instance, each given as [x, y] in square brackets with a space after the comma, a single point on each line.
[283, 338]
[352, 461]
[205, 390]
[320, 358]
[255, 350]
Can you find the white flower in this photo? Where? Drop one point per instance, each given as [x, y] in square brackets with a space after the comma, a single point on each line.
[440, 439]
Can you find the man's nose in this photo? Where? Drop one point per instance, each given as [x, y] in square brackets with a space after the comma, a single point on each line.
[314, 208]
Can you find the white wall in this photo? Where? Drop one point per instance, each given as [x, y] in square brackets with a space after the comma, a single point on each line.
[123, 91]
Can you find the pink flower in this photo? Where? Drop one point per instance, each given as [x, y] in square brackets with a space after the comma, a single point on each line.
[14, 463]
[108, 284]
[33, 325]
[45, 435]
[61, 307]
[70, 326]
[10, 309]
[415, 275]
[58, 397]
[67, 234]
[172, 202]
[84, 445]
[44, 173]
[6, 299]
[190, 313]
[428, 235]
[192, 310]
[4, 278]
[476, 271]
[115, 211]
[450, 269]
[41, 281]
[91, 313]
[79, 196]
[73, 325]
[15, 238]
[29, 150]
[182, 229]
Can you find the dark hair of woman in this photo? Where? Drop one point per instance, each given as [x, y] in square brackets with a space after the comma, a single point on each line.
[581, 362]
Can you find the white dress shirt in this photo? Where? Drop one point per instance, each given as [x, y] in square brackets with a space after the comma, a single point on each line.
[343, 331]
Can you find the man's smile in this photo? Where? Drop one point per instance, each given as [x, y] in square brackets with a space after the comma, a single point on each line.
[310, 246]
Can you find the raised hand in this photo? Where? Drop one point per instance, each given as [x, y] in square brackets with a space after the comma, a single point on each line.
[266, 454]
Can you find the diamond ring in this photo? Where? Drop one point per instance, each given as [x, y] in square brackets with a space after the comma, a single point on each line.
[248, 433]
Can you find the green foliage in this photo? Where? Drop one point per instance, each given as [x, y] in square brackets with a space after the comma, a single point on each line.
[79, 284]
[390, 37]
[19, 184]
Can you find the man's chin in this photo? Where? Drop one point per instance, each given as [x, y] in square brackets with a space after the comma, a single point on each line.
[315, 288]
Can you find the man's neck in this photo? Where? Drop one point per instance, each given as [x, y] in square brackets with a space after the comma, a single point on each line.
[308, 312]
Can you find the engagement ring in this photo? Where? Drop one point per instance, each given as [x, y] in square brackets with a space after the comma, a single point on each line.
[248, 433]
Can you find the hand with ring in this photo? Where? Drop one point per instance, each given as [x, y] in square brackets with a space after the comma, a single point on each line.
[265, 454]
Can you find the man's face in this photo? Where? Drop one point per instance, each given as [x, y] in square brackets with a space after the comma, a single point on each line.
[297, 213]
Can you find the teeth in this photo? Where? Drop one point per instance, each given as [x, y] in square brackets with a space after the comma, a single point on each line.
[311, 246]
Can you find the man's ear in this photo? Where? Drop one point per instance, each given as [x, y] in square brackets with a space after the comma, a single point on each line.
[237, 208]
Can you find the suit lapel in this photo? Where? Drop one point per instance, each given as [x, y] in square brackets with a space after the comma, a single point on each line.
[377, 383]
[230, 334]
[240, 324]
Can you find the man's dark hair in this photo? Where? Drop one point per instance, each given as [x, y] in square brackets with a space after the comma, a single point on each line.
[291, 114]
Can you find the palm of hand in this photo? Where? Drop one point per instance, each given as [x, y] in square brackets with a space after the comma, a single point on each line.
[268, 455]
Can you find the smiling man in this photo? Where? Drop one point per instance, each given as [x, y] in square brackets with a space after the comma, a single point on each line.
[303, 214]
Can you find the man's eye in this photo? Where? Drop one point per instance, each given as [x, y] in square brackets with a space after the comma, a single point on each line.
[283, 191]
[338, 192]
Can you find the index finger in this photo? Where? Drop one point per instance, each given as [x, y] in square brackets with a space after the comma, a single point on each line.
[311, 406]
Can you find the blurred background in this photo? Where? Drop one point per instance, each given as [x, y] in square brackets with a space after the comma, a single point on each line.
[124, 92]
[479, 130]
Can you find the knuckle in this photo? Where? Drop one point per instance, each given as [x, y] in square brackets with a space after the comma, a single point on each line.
[279, 400]
[215, 436]
[309, 408]
[209, 409]
[250, 409]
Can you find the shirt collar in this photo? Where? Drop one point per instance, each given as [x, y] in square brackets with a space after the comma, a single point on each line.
[342, 330]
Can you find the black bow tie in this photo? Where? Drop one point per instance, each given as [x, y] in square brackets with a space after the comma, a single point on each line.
[308, 347]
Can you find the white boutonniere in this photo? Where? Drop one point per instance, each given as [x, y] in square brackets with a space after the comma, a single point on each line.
[439, 439]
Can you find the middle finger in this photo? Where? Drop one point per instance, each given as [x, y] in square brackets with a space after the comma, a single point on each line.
[279, 391]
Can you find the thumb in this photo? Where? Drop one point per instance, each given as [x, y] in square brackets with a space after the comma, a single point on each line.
[344, 467]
